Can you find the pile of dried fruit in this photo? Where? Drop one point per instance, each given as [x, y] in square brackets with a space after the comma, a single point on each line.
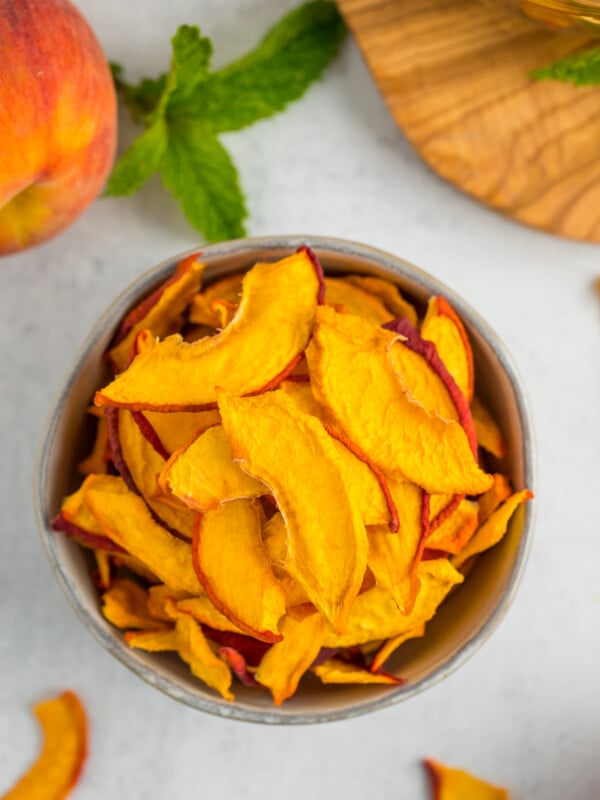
[286, 468]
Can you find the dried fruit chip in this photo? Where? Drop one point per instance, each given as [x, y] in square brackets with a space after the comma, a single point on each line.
[160, 313]
[390, 646]
[490, 501]
[375, 614]
[277, 298]
[445, 329]
[285, 662]
[176, 429]
[394, 558]
[233, 567]
[203, 310]
[448, 783]
[140, 465]
[203, 475]
[456, 530]
[125, 605]
[198, 655]
[327, 542]
[489, 435]
[493, 529]
[64, 750]
[374, 410]
[389, 293]
[335, 671]
[152, 641]
[351, 299]
[204, 612]
[124, 518]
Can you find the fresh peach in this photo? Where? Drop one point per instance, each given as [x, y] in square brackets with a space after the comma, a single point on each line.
[58, 119]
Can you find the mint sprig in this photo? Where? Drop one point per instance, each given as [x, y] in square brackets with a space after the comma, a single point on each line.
[580, 69]
[185, 109]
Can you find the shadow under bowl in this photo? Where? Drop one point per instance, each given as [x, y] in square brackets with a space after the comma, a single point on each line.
[462, 623]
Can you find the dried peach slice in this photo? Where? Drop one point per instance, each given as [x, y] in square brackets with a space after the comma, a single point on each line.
[275, 541]
[489, 435]
[453, 534]
[203, 310]
[390, 646]
[64, 750]
[125, 518]
[204, 612]
[125, 605]
[445, 329]
[490, 500]
[157, 598]
[194, 649]
[293, 455]
[394, 558]
[160, 313]
[388, 292]
[203, 475]
[493, 529]
[335, 671]
[152, 641]
[374, 409]
[278, 298]
[448, 783]
[375, 614]
[233, 567]
[342, 293]
[143, 466]
[176, 429]
[285, 662]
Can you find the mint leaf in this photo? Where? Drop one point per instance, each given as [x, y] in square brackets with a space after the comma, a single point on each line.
[199, 172]
[191, 59]
[141, 100]
[291, 56]
[580, 69]
[138, 163]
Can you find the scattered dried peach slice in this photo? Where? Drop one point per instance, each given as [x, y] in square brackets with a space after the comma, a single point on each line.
[278, 298]
[448, 783]
[374, 409]
[64, 750]
[327, 543]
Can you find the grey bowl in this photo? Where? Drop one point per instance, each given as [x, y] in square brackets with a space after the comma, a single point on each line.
[462, 623]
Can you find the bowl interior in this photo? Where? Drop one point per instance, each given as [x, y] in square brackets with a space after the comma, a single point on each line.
[462, 622]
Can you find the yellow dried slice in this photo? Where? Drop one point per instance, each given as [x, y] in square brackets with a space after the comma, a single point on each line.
[453, 534]
[422, 382]
[389, 293]
[393, 557]
[103, 566]
[445, 329]
[490, 501]
[97, 461]
[493, 529]
[489, 435]
[275, 541]
[124, 518]
[271, 328]
[291, 453]
[134, 565]
[375, 614]
[158, 596]
[125, 605]
[203, 310]
[203, 474]
[448, 783]
[235, 571]
[161, 312]
[374, 410]
[203, 611]
[390, 646]
[145, 465]
[197, 654]
[285, 662]
[152, 641]
[64, 750]
[353, 300]
[335, 671]
[174, 430]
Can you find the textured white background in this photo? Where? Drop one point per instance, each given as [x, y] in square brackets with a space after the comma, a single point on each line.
[525, 711]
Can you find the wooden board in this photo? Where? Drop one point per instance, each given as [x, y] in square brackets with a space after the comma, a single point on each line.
[454, 74]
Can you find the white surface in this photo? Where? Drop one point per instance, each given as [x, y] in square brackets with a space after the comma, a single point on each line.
[525, 711]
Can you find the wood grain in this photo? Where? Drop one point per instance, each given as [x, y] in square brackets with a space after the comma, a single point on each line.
[454, 74]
